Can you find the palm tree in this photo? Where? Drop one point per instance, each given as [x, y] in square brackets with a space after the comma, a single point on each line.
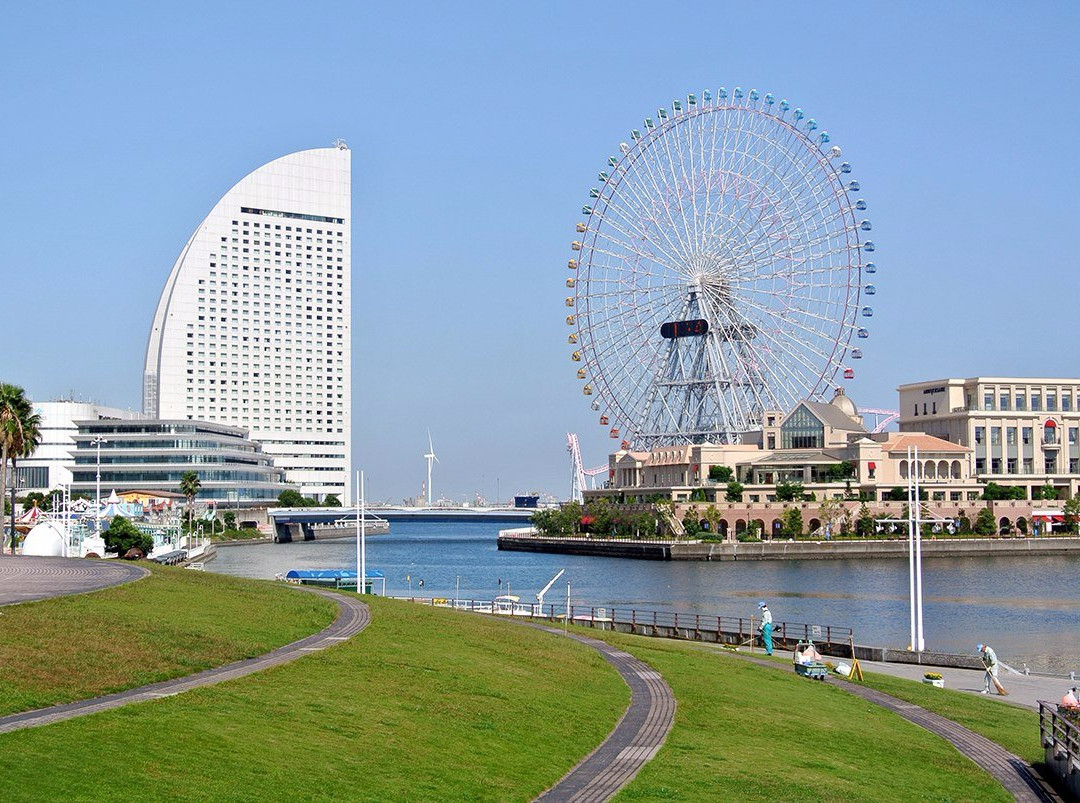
[189, 487]
[20, 434]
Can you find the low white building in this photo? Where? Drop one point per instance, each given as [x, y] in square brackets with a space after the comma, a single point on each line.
[52, 462]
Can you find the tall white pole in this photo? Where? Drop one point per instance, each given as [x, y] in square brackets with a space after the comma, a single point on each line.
[97, 526]
[919, 644]
[912, 468]
[360, 559]
[363, 536]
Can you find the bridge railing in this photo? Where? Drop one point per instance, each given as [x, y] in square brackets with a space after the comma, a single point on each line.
[727, 629]
[1060, 736]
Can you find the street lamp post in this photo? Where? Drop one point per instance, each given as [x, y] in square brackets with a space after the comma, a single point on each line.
[97, 441]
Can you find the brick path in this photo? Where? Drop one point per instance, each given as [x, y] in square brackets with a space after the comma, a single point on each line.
[24, 578]
[353, 616]
[636, 739]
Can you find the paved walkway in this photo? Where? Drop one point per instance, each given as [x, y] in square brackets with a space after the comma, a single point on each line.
[353, 616]
[24, 578]
[1023, 690]
[635, 740]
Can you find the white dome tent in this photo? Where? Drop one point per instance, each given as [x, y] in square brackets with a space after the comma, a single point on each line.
[48, 539]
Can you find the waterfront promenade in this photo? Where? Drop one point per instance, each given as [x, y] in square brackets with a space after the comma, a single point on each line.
[25, 578]
[528, 540]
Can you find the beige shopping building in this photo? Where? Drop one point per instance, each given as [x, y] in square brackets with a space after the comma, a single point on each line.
[1020, 431]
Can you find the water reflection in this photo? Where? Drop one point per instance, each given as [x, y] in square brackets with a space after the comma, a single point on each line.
[1027, 608]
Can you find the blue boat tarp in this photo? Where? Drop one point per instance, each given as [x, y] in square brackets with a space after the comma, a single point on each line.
[330, 574]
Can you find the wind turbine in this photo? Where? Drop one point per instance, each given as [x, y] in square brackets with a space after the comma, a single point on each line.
[430, 457]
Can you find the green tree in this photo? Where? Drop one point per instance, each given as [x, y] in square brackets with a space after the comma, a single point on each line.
[838, 472]
[20, 434]
[985, 523]
[603, 518]
[35, 498]
[1071, 509]
[691, 525]
[292, 498]
[963, 524]
[122, 535]
[332, 500]
[791, 523]
[864, 524]
[713, 516]
[789, 491]
[189, 487]
[831, 512]
[734, 492]
[698, 495]
[569, 518]
[721, 473]
[229, 520]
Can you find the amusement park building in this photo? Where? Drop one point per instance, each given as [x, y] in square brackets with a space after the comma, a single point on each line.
[1023, 432]
[814, 444]
[253, 328]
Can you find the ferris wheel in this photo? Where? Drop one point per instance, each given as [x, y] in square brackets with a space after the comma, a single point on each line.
[718, 271]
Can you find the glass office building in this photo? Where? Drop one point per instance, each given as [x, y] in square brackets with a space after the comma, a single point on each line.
[152, 455]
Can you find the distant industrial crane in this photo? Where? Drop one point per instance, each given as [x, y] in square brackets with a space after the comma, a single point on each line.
[578, 472]
[431, 458]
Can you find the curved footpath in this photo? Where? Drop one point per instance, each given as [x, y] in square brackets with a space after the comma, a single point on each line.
[353, 616]
[24, 578]
[1011, 771]
[636, 739]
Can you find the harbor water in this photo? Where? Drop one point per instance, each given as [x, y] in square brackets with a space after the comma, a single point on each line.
[1027, 608]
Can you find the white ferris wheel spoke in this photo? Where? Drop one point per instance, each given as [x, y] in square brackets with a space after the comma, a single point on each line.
[731, 211]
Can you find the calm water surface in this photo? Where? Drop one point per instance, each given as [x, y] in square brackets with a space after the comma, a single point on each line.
[1027, 608]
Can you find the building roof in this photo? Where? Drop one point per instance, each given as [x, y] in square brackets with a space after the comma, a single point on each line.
[157, 494]
[900, 441]
[832, 416]
[801, 457]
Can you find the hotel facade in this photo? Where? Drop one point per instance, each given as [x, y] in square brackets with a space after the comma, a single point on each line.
[1022, 432]
[253, 328]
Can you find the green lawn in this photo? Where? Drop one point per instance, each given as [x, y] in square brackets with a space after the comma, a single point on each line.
[1014, 728]
[172, 623]
[743, 732]
[425, 704]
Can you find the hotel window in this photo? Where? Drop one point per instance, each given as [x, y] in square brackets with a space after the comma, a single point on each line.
[1004, 401]
[1074, 465]
[1010, 465]
[980, 465]
[979, 434]
[1029, 466]
[988, 401]
[1051, 402]
[1072, 436]
[995, 465]
[1026, 433]
[1010, 436]
[1021, 401]
[1036, 402]
[1050, 466]
[995, 436]
[1066, 402]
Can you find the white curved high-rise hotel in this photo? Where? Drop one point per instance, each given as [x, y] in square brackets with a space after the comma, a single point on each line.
[253, 328]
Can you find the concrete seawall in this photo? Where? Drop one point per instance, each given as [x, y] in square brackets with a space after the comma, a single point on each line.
[522, 541]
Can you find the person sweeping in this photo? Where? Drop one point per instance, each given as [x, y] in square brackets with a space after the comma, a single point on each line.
[766, 627]
[990, 665]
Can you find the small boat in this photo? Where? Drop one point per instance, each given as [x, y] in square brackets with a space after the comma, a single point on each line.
[510, 605]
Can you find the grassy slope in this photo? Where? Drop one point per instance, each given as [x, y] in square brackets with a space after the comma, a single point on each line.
[1014, 728]
[172, 623]
[426, 704]
[747, 733]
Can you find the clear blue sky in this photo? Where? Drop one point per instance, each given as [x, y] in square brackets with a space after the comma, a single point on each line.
[476, 131]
